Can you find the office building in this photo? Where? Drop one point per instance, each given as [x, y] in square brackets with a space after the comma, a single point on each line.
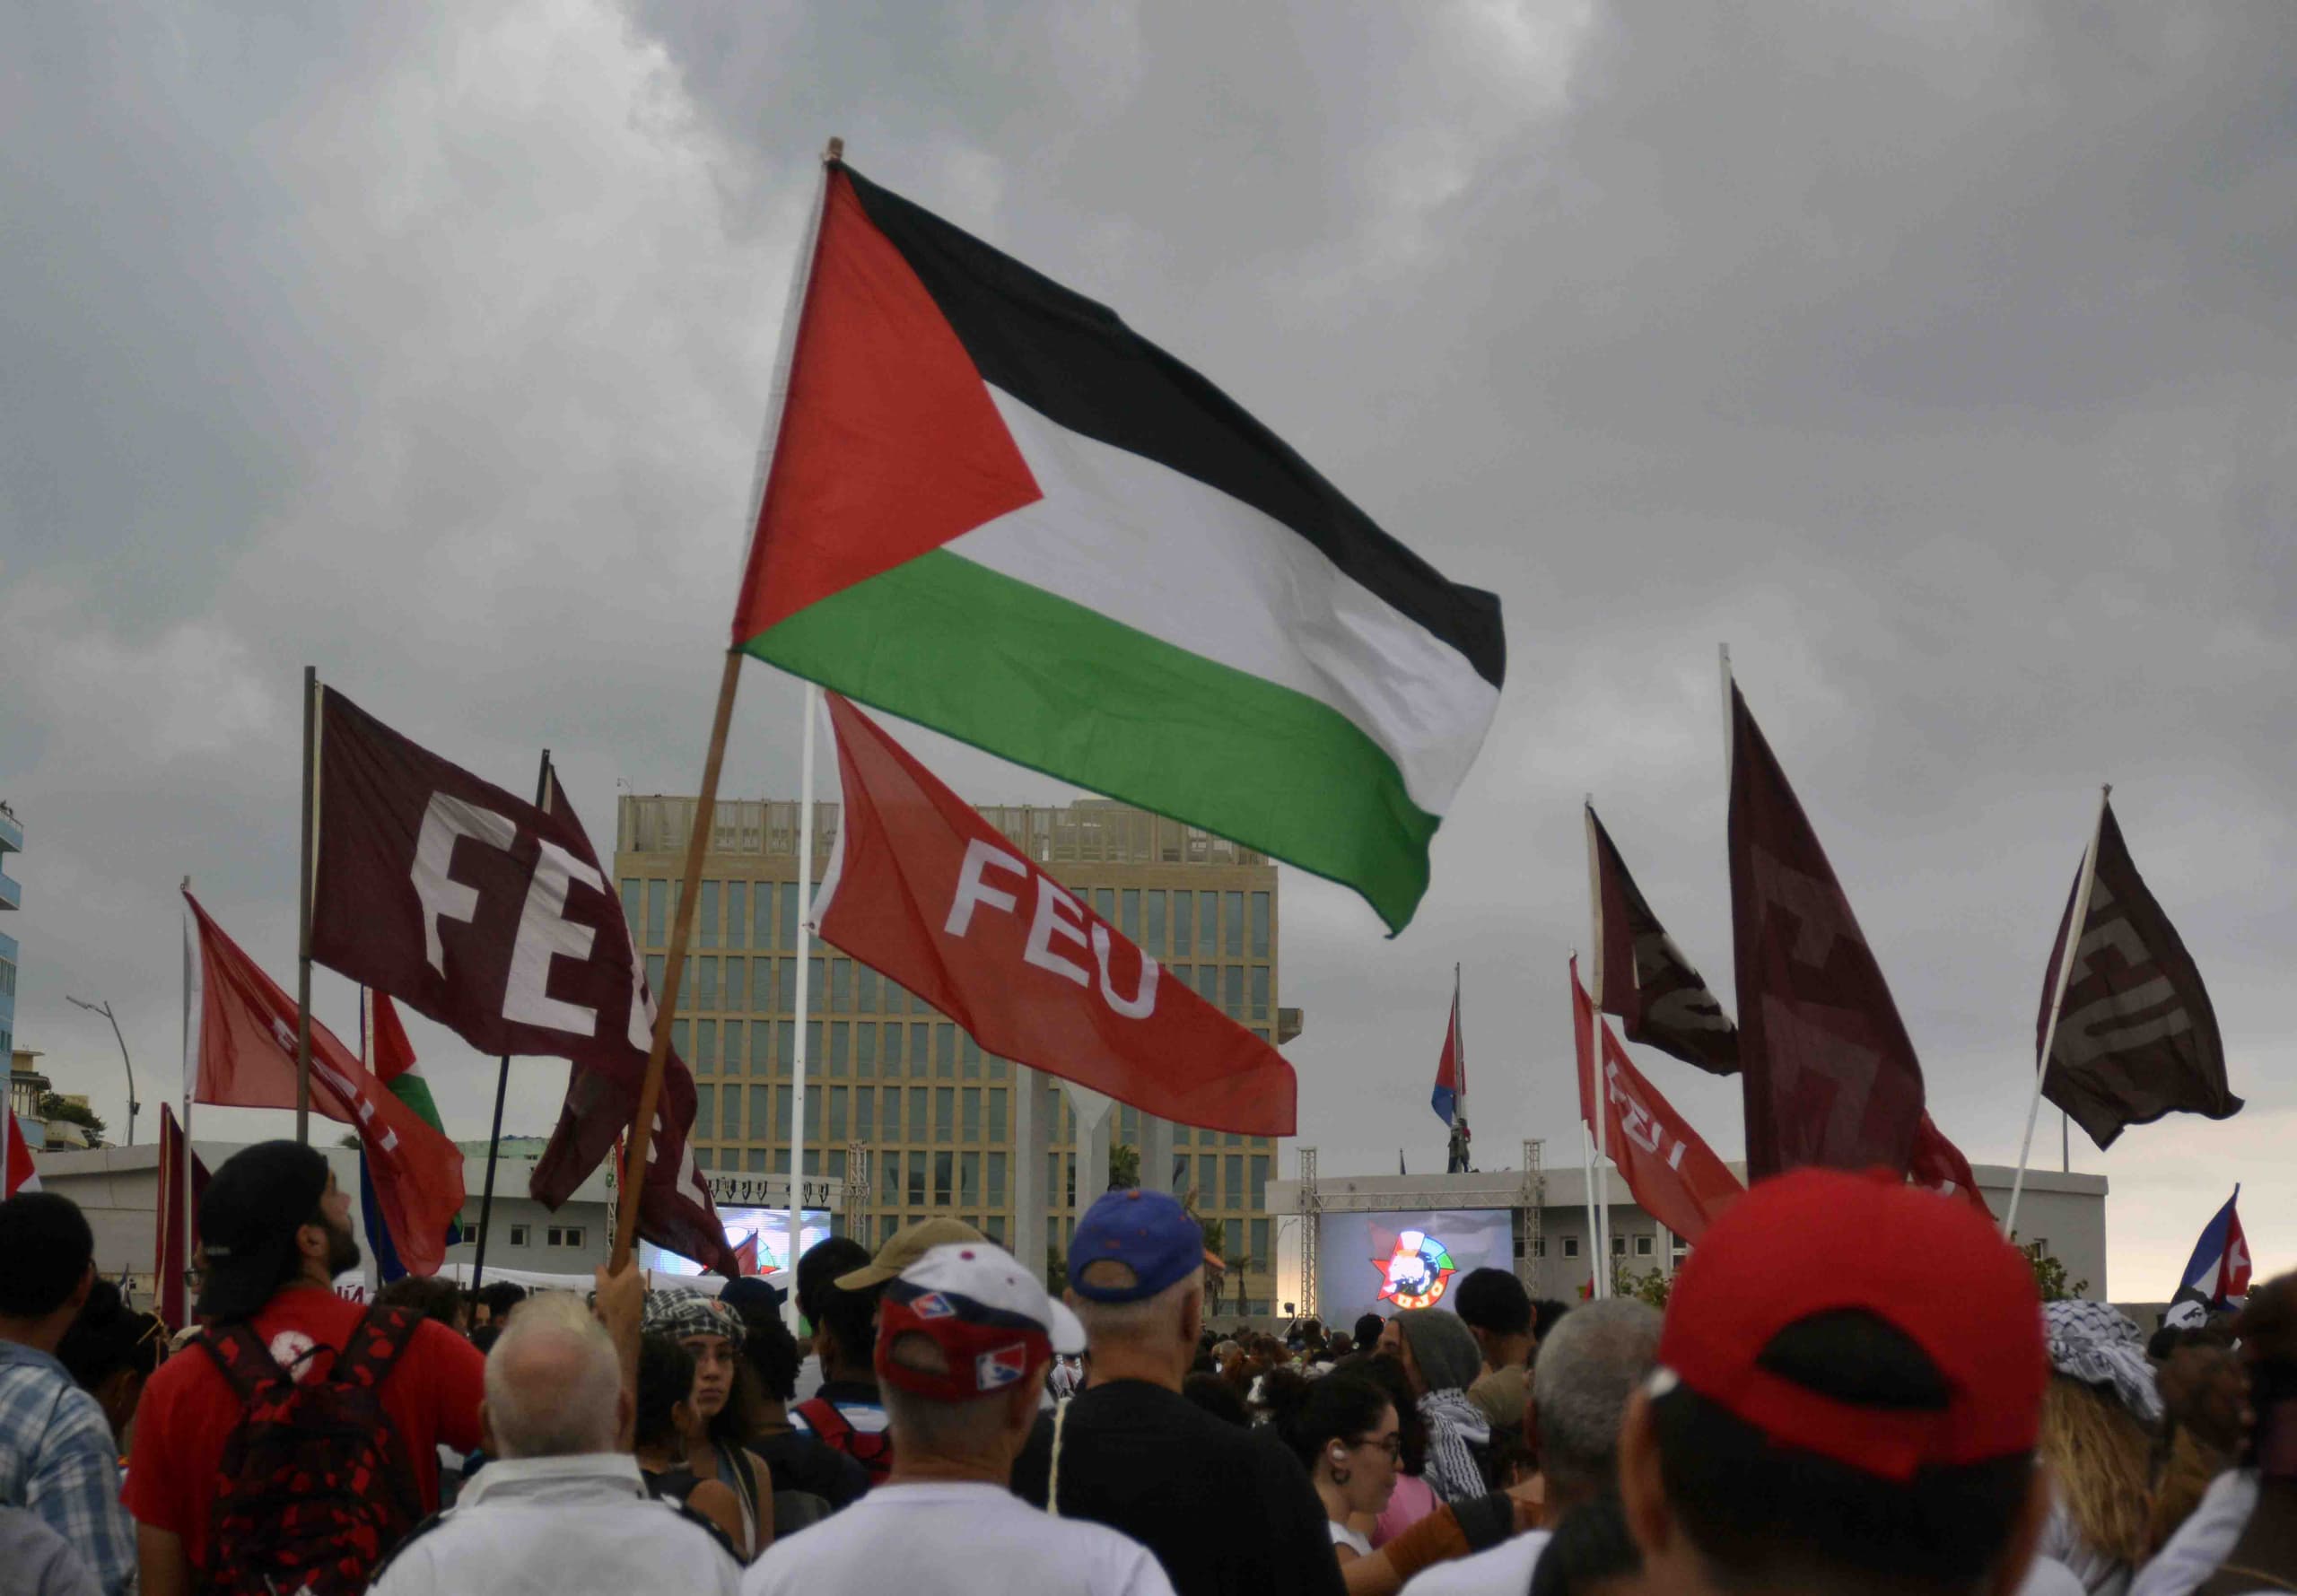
[932, 1116]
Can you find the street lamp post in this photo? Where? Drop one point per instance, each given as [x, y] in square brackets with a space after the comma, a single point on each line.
[104, 1009]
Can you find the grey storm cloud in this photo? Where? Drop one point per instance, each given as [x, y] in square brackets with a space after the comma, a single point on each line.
[1934, 354]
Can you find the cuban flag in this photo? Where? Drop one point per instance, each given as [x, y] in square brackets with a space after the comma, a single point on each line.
[1445, 1099]
[2218, 1272]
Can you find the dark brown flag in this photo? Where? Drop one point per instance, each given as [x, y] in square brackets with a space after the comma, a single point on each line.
[2136, 1038]
[1659, 996]
[492, 916]
[1831, 1077]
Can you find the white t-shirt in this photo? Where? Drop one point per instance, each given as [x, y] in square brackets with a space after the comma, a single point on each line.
[2203, 1540]
[1341, 1535]
[1504, 1570]
[955, 1540]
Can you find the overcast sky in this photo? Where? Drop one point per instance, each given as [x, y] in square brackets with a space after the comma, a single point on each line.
[1938, 355]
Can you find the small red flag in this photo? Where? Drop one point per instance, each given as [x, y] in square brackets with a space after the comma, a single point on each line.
[921, 889]
[16, 1171]
[242, 1051]
[1673, 1173]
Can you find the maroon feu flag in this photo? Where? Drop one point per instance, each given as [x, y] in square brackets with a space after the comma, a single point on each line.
[177, 1230]
[921, 889]
[1671, 1170]
[1660, 997]
[1829, 1075]
[2138, 1038]
[492, 916]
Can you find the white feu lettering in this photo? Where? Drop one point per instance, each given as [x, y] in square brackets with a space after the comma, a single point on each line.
[442, 897]
[1142, 1003]
[972, 890]
[545, 933]
[1049, 921]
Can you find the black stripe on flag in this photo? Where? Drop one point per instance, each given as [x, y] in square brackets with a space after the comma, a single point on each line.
[1075, 363]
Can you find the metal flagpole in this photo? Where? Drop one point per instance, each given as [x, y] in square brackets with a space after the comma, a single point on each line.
[1595, 1281]
[183, 1215]
[2075, 921]
[502, 1090]
[805, 968]
[304, 934]
[1598, 1214]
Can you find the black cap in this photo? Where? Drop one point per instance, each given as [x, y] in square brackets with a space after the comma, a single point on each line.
[248, 1219]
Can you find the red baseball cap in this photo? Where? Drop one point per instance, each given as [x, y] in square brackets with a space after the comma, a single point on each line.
[1817, 1241]
[991, 1320]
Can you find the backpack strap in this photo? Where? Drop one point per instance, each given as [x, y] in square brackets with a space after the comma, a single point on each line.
[822, 1416]
[375, 1345]
[242, 1358]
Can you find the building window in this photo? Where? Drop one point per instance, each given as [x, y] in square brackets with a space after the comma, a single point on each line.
[1643, 1246]
[658, 901]
[1183, 924]
[737, 915]
[1619, 1246]
[1539, 1246]
[1571, 1246]
[709, 927]
[1232, 925]
[1259, 925]
[565, 1235]
[519, 1235]
[1152, 924]
[762, 916]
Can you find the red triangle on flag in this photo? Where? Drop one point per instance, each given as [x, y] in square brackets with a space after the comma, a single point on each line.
[889, 445]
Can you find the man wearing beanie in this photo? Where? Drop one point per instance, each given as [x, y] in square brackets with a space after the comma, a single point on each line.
[1226, 1511]
[1440, 1361]
[276, 1232]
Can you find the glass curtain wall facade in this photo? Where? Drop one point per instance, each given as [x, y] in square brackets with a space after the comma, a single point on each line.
[888, 1071]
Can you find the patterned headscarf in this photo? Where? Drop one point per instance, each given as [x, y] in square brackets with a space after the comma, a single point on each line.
[2099, 1344]
[678, 1315]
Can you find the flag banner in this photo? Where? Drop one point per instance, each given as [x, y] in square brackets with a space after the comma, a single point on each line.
[1938, 1163]
[1830, 1076]
[995, 510]
[2137, 1038]
[1661, 998]
[176, 1222]
[922, 890]
[1445, 1098]
[390, 1057]
[17, 1173]
[1671, 1170]
[2218, 1272]
[492, 916]
[243, 1032]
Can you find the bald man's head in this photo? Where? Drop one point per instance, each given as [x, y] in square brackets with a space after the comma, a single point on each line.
[553, 1385]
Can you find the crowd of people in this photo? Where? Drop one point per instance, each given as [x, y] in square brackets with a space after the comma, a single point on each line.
[1853, 1387]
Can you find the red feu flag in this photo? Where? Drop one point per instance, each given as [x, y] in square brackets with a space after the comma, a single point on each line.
[1671, 1170]
[177, 1236]
[922, 890]
[241, 1050]
[1829, 1075]
[1641, 976]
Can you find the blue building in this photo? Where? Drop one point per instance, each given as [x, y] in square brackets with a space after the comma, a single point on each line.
[11, 841]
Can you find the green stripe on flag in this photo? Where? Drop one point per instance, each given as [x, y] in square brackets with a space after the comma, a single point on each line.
[1051, 684]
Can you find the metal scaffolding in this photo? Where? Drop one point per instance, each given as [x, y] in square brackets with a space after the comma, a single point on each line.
[1309, 1208]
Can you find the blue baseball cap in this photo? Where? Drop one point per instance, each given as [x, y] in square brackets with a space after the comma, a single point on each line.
[1148, 1232]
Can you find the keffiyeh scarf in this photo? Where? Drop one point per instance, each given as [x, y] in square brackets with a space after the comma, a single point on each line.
[2099, 1344]
[1454, 1424]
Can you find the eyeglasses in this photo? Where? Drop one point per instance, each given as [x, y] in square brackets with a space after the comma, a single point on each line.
[1393, 1444]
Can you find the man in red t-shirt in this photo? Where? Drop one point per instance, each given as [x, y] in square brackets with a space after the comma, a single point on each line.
[276, 1233]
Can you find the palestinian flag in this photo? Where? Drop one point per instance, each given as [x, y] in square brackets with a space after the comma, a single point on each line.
[990, 507]
[391, 1057]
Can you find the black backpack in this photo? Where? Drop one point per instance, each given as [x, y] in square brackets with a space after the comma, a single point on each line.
[316, 1486]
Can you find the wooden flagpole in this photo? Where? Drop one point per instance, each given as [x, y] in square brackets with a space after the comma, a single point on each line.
[705, 806]
[641, 1123]
[2075, 921]
[303, 932]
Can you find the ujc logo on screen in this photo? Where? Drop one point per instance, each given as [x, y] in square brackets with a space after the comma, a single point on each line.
[1418, 1273]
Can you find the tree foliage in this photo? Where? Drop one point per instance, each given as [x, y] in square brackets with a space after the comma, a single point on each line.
[54, 1105]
